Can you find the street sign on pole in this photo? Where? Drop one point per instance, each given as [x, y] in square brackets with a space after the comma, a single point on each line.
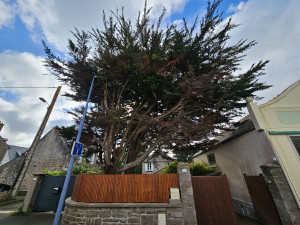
[72, 160]
[77, 149]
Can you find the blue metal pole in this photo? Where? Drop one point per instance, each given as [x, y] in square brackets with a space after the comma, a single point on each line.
[67, 179]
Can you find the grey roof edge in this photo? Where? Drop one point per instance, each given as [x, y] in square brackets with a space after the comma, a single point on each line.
[245, 127]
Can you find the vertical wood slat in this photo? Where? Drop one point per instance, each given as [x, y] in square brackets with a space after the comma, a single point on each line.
[124, 188]
[262, 200]
[76, 186]
[213, 201]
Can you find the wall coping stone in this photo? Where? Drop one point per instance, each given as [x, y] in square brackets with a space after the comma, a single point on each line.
[173, 203]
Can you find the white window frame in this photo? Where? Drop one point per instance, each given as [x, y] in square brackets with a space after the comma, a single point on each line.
[149, 167]
[292, 144]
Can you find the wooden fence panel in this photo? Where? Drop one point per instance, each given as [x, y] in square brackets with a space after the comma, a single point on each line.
[213, 201]
[262, 200]
[124, 188]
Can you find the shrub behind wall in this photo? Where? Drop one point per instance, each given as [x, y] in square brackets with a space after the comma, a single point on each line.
[197, 169]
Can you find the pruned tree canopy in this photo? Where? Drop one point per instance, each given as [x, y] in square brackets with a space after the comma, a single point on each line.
[156, 89]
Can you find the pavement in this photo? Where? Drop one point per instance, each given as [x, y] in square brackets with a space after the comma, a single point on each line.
[33, 218]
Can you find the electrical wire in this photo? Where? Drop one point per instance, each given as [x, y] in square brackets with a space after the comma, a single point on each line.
[28, 87]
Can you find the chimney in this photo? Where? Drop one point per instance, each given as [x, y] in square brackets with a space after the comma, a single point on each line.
[1, 125]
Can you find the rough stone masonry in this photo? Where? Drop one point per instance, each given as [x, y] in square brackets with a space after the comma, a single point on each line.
[176, 212]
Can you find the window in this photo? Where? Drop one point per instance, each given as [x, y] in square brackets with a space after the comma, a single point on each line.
[296, 142]
[148, 167]
[211, 159]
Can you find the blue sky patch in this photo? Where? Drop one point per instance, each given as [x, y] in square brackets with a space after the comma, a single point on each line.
[9, 96]
[18, 39]
[195, 7]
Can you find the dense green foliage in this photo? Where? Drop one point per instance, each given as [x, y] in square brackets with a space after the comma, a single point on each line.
[77, 169]
[171, 168]
[197, 169]
[156, 88]
[68, 133]
[200, 169]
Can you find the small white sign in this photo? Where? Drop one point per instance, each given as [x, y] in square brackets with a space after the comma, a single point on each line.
[174, 193]
[184, 170]
[162, 219]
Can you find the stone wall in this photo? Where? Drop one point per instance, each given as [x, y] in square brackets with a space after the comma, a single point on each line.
[37, 166]
[3, 148]
[187, 195]
[179, 211]
[9, 171]
[122, 213]
[281, 192]
[51, 153]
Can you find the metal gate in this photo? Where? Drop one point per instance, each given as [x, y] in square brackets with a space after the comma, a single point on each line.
[262, 200]
[49, 193]
[213, 201]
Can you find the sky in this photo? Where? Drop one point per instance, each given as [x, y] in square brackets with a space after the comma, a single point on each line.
[274, 24]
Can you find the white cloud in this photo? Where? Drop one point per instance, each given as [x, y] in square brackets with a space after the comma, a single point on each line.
[57, 18]
[7, 13]
[171, 6]
[178, 23]
[20, 109]
[236, 8]
[275, 25]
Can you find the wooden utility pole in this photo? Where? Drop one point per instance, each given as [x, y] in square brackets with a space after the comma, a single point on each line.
[33, 146]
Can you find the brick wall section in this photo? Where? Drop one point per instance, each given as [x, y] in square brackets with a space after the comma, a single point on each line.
[283, 197]
[8, 171]
[121, 213]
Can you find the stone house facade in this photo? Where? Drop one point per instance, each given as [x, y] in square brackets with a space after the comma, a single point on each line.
[10, 170]
[3, 145]
[52, 153]
[3, 148]
[154, 164]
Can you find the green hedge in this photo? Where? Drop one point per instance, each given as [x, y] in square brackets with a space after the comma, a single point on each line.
[197, 169]
[77, 169]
